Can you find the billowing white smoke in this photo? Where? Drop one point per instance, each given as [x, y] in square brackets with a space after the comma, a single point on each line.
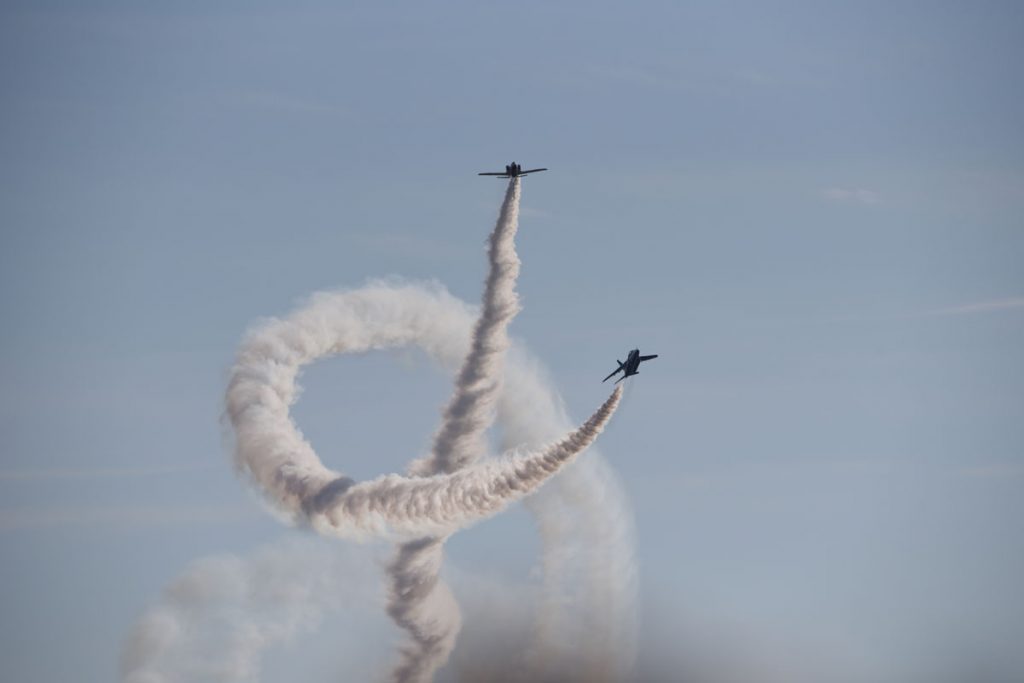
[584, 522]
[421, 603]
[587, 571]
[270, 448]
[462, 438]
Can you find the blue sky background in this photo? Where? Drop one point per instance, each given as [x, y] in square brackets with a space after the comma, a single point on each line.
[812, 211]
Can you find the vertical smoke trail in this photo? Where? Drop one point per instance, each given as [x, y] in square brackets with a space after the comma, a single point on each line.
[470, 412]
[420, 602]
[424, 607]
[390, 505]
[417, 615]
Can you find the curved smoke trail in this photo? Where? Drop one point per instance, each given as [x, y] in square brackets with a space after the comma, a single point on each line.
[587, 583]
[424, 607]
[270, 449]
[421, 603]
[446, 490]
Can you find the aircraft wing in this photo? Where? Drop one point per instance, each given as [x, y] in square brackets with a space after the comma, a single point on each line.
[532, 170]
[643, 358]
[617, 371]
[491, 174]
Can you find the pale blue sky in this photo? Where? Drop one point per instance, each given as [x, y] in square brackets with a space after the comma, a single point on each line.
[811, 211]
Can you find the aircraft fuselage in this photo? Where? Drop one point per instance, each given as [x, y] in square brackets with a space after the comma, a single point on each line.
[630, 367]
[632, 364]
[513, 170]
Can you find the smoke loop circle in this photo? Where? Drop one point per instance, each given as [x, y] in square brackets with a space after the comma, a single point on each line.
[270, 448]
[583, 518]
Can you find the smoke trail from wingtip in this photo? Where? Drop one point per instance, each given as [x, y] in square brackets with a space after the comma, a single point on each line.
[420, 602]
[423, 606]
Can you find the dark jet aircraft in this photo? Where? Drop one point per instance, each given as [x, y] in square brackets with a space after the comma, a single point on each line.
[514, 170]
[630, 367]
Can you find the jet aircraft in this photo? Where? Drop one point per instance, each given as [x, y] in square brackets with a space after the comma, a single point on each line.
[514, 170]
[630, 367]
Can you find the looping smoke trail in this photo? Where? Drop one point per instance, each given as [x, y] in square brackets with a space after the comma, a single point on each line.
[420, 602]
[270, 448]
[584, 518]
[435, 506]
[442, 494]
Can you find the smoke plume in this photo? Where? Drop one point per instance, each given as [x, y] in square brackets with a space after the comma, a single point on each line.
[470, 412]
[583, 519]
[421, 603]
[270, 449]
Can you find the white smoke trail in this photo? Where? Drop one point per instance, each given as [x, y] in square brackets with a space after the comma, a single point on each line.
[270, 448]
[470, 412]
[435, 506]
[424, 607]
[421, 603]
[593, 576]
[272, 451]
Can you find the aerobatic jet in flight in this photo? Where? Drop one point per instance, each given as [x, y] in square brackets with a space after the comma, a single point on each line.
[630, 367]
[514, 170]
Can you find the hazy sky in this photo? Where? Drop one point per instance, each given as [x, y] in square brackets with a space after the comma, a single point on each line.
[811, 211]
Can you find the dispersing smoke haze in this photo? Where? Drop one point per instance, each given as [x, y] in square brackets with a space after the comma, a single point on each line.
[584, 523]
[214, 621]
